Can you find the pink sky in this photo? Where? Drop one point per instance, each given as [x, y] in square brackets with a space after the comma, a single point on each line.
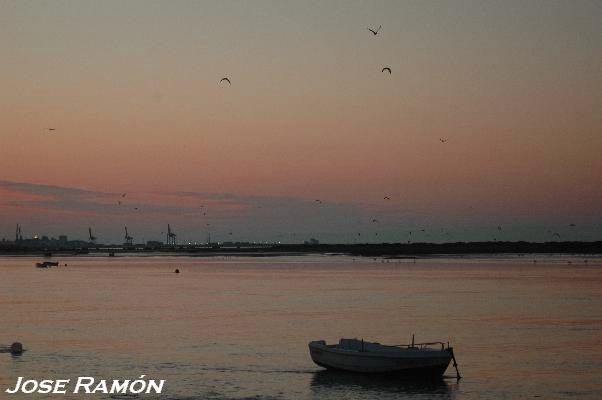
[133, 92]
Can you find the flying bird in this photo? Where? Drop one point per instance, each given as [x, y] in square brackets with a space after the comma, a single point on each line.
[572, 225]
[443, 140]
[387, 198]
[375, 220]
[375, 32]
[318, 201]
[386, 69]
[225, 79]
[51, 129]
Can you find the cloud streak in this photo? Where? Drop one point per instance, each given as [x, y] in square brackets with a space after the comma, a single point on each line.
[230, 216]
[54, 210]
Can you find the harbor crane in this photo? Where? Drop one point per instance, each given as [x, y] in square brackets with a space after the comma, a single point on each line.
[129, 241]
[18, 233]
[171, 236]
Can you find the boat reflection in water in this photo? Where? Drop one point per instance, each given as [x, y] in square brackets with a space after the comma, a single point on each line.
[327, 384]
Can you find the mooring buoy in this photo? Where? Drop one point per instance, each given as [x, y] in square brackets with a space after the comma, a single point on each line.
[16, 348]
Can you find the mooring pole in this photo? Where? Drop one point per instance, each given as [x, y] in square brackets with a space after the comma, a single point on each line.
[451, 350]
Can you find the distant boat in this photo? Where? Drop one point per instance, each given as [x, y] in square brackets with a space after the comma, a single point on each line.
[47, 264]
[415, 360]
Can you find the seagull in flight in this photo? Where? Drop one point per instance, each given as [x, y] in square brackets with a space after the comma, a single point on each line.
[386, 69]
[443, 140]
[386, 198]
[375, 32]
[51, 129]
[225, 79]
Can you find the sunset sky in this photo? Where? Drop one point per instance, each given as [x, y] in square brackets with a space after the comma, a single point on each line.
[132, 89]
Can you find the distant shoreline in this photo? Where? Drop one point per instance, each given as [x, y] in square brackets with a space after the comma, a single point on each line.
[391, 250]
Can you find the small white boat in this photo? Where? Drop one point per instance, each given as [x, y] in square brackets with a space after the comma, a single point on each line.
[420, 359]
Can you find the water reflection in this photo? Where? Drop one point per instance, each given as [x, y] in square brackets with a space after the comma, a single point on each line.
[328, 383]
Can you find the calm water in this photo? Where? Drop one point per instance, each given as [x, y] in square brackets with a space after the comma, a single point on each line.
[239, 327]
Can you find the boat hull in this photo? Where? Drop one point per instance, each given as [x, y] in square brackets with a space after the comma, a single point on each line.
[411, 363]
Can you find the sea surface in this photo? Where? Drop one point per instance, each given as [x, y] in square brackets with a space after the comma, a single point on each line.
[238, 327]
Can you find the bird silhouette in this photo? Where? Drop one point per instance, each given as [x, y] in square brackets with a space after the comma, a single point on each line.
[225, 79]
[375, 32]
[386, 69]
[318, 201]
[572, 225]
[51, 129]
[123, 195]
[442, 140]
[374, 220]
[386, 198]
